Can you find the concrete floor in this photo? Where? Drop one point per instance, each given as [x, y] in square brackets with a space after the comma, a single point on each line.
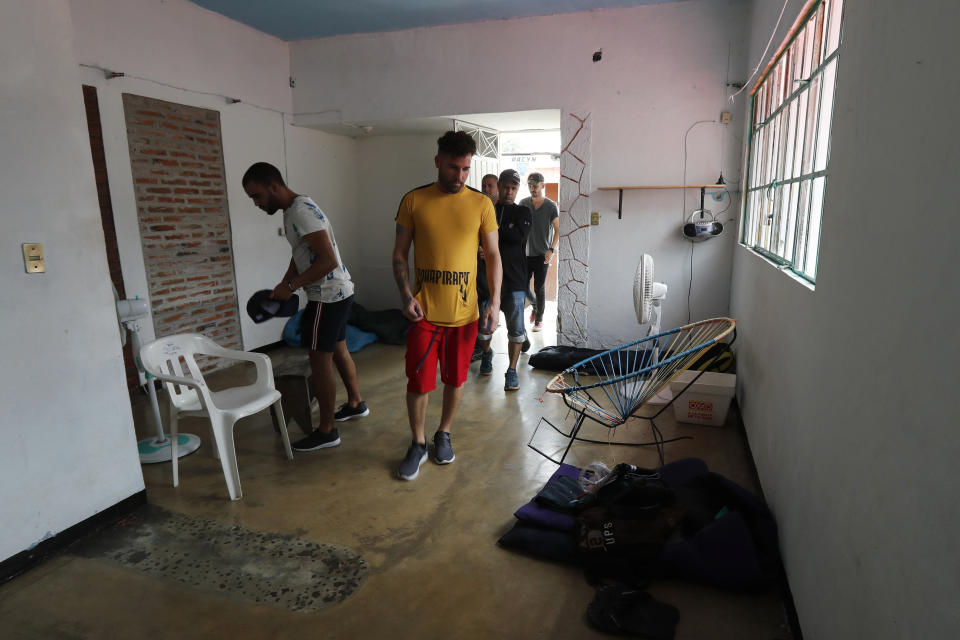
[433, 567]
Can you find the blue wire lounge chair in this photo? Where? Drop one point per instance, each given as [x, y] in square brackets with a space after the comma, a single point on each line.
[611, 386]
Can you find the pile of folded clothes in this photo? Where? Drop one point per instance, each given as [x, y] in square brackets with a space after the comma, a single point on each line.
[633, 526]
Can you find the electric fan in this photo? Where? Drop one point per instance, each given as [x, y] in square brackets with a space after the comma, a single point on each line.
[156, 449]
[648, 295]
[647, 299]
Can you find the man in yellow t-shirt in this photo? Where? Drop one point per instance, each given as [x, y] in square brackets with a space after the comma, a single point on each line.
[443, 222]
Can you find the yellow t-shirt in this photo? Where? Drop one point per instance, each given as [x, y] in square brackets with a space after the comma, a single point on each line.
[446, 230]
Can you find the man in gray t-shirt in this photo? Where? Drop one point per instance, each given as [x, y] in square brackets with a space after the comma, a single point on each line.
[541, 245]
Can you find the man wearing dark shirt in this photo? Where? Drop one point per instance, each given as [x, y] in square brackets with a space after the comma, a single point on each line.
[514, 222]
[488, 185]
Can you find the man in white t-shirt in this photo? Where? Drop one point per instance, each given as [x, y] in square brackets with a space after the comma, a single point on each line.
[317, 268]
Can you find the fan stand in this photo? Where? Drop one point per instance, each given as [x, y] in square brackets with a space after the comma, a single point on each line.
[665, 395]
[157, 448]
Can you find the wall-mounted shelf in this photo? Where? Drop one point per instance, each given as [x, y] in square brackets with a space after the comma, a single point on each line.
[702, 188]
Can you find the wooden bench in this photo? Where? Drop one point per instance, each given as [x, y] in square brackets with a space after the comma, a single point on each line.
[294, 381]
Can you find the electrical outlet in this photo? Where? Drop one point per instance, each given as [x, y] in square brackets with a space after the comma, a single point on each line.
[594, 217]
[725, 117]
[33, 258]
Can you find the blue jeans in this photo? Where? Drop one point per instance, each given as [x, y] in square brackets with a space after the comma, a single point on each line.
[511, 303]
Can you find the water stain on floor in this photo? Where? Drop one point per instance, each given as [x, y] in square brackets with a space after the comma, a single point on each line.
[259, 567]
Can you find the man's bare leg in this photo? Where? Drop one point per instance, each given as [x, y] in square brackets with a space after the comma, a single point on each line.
[348, 373]
[417, 412]
[321, 365]
[451, 400]
[513, 350]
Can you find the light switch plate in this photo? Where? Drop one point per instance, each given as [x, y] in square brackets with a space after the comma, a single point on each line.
[33, 258]
[594, 217]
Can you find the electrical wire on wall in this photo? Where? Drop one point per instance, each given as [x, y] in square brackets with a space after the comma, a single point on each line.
[763, 56]
[110, 75]
[720, 180]
[683, 211]
[229, 99]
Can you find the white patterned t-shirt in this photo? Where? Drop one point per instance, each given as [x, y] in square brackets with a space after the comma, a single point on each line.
[300, 219]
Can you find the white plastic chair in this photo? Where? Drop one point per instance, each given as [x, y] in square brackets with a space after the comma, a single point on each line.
[172, 360]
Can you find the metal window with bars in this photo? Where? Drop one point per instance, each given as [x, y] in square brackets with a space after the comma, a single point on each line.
[487, 158]
[789, 147]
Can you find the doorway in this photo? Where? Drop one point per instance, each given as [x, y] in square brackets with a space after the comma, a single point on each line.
[537, 151]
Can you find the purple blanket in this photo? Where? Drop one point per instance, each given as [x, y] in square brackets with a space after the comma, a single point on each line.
[533, 513]
[673, 473]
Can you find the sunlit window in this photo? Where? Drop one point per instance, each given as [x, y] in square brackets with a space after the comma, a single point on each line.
[789, 150]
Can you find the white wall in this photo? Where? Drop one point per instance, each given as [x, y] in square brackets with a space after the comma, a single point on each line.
[847, 391]
[216, 57]
[69, 448]
[664, 67]
[324, 167]
[388, 167]
[179, 43]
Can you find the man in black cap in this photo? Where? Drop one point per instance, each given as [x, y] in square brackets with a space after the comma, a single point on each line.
[514, 221]
[317, 268]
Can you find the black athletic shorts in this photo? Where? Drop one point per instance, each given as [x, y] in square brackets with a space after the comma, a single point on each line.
[324, 324]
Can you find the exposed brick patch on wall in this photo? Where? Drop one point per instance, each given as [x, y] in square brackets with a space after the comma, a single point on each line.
[92, 106]
[177, 161]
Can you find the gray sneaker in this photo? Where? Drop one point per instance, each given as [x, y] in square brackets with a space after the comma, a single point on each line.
[486, 363]
[442, 449]
[511, 380]
[410, 467]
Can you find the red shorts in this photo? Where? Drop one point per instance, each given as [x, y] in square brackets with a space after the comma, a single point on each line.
[428, 344]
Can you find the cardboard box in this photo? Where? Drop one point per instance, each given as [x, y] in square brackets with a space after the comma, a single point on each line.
[707, 401]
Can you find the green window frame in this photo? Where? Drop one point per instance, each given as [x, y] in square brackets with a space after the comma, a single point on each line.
[791, 120]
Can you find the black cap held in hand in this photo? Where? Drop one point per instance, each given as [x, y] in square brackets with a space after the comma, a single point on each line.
[260, 307]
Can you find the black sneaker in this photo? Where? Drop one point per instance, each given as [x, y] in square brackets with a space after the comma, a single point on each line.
[526, 345]
[410, 467]
[317, 440]
[346, 412]
[442, 449]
